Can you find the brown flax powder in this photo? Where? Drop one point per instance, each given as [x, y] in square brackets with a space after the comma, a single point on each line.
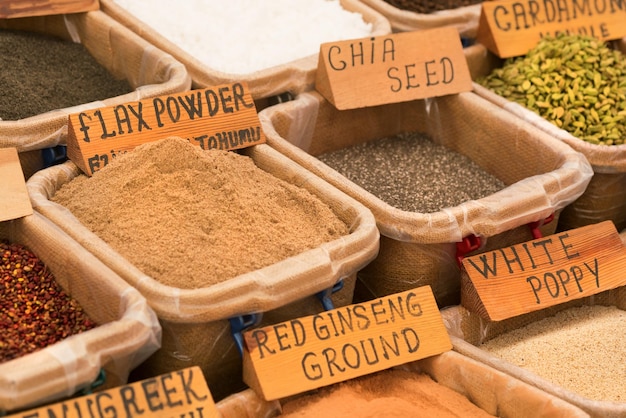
[191, 218]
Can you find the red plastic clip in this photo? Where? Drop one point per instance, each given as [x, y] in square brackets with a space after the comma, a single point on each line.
[467, 245]
[534, 226]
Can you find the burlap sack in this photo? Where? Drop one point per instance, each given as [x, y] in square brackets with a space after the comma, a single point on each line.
[149, 71]
[464, 18]
[494, 392]
[195, 323]
[468, 331]
[542, 176]
[127, 334]
[292, 77]
[605, 197]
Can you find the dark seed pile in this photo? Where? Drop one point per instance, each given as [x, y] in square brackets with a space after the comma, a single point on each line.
[429, 6]
[34, 310]
[40, 73]
[413, 173]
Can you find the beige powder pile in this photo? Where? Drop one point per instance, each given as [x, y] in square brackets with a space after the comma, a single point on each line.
[191, 218]
[581, 349]
[391, 393]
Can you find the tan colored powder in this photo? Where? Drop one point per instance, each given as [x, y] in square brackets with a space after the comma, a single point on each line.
[391, 393]
[581, 349]
[191, 218]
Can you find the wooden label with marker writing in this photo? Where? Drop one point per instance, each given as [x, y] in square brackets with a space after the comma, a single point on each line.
[548, 271]
[24, 8]
[14, 199]
[343, 343]
[392, 68]
[181, 394]
[221, 117]
[510, 28]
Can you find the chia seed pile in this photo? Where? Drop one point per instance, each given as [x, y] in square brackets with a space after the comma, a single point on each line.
[413, 173]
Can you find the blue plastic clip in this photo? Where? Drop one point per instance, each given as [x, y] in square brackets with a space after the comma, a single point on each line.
[467, 42]
[324, 295]
[239, 324]
[97, 382]
[53, 156]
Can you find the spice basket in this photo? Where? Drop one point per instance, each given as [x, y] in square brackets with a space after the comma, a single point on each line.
[148, 70]
[494, 392]
[195, 322]
[468, 331]
[128, 330]
[605, 197]
[464, 18]
[292, 77]
[542, 176]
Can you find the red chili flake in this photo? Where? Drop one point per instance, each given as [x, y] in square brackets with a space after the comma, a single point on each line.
[34, 310]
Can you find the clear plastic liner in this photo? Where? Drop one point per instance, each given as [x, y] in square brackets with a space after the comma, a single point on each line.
[605, 196]
[494, 392]
[464, 18]
[196, 330]
[149, 71]
[542, 176]
[292, 77]
[128, 331]
[468, 331]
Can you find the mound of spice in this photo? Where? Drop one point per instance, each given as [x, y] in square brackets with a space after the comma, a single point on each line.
[413, 173]
[581, 349]
[576, 82]
[41, 73]
[192, 218]
[390, 393]
[244, 36]
[430, 6]
[35, 311]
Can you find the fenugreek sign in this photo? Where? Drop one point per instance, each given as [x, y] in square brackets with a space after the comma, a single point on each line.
[392, 68]
[181, 394]
[544, 272]
[343, 343]
[510, 28]
[220, 117]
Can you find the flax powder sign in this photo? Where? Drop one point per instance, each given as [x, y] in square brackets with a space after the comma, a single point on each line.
[544, 272]
[343, 343]
[392, 68]
[510, 28]
[222, 117]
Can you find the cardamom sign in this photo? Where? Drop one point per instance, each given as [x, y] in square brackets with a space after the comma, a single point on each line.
[181, 394]
[343, 343]
[221, 117]
[392, 68]
[510, 28]
[544, 272]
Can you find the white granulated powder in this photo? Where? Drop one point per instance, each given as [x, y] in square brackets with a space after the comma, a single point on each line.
[581, 349]
[243, 36]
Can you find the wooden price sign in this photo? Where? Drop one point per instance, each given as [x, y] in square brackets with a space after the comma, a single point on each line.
[392, 68]
[340, 344]
[548, 271]
[181, 394]
[24, 8]
[510, 28]
[14, 199]
[221, 117]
